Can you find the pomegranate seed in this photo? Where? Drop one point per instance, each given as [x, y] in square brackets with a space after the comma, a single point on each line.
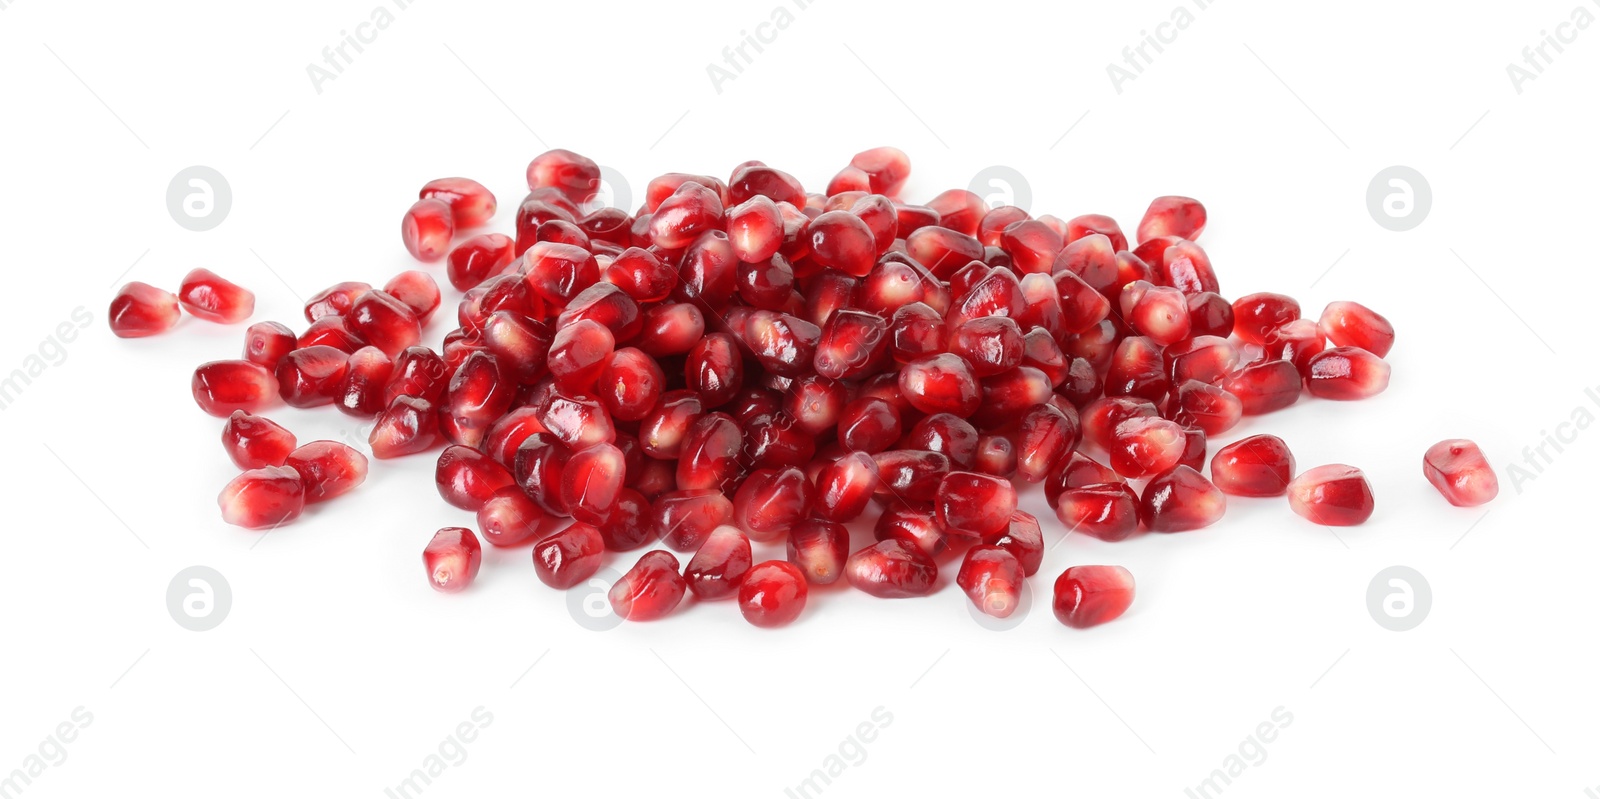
[1180, 217]
[537, 469]
[267, 342]
[1210, 315]
[1045, 436]
[909, 475]
[508, 518]
[1180, 500]
[222, 387]
[254, 442]
[1258, 466]
[608, 305]
[671, 329]
[714, 369]
[852, 343]
[385, 322]
[1349, 324]
[1256, 315]
[710, 456]
[942, 250]
[683, 519]
[1146, 446]
[849, 179]
[992, 578]
[417, 291]
[568, 556]
[361, 392]
[427, 228]
[784, 345]
[334, 300]
[819, 548]
[214, 299]
[1092, 260]
[575, 177]
[681, 218]
[578, 421]
[477, 396]
[974, 504]
[650, 590]
[943, 383]
[845, 486]
[630, 384]
[1185, 266]
[466, 478]
[1086, 596]
[892, 569]
[1023, 539]
[1138, 370]
[917, 331]
[1107, 511]
[1208, 359]
[408, 425]
[328, 469]
[1090, 224]
[1159, 313]
[660, 188]
[997, 455]
[265, 497]
[960, 210]
[418, 372]
[471, 205]
[886, 169]
[1458, 469]
[452, 558]
[140, 310]
[772, 594]
[720, 565]
[1296, 342]
[1264, 386]
[991, 345]
[869, 425]
[312, 376]
[508, 433]
[1207, 407]
[591, 480]
[330, 331]
[755, 229]
[770, 501]
[558, 272]
[1077, 471]
[916, 526]
[1346, 373]
[1032, 245]
[628, 526]
[753, 178]
[1101, 417]
[1334, 495]
[947, 434]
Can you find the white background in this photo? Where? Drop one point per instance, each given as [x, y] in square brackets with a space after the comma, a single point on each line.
[339, 671]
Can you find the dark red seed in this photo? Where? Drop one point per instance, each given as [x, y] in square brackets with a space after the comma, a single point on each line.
[1086, 596]
[772, 594]
[892, 569]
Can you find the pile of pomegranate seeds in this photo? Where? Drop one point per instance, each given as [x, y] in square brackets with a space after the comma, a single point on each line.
[742, 364]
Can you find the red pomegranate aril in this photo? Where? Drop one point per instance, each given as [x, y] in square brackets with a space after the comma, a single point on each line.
[665, 427]
[471, 204]
[628, 526]
[334, 300]
[1101, 417]
[1138, 369]
[772, 594]
[577, 421]
[917, 527]
[852, 343]
[1107, 511]
[997, 455]
[508, 433]
[943, 250]
[1265, 386]
[752, 178]
[361, 391]
[1296, 342]
[845, 486]
[1351, 324]
[869, 425]
[1185, 266]
[1076, 471]
[886, 168]
[770, 501]
[1023, 539]
[140, 310]
[630, 384]
[255, 442]
[1458, 469]
[267, 342]
[819, 548]
[960, 210]
[650, 590]
[911, 218]
[330, 331]
[720, 565]
[384, 322]
[892, 569]
[1346, 373]
[991, 345]
[311, 376]
[261, 498]
[509, 518]
[1208, 359]
[409, 425]
[784, 345]
[816, 403]
[521, 345]
[466, 478]
[948, 434]
[755, 229]
[1044, 437]
[943, 383]
[591, 480]
[682, 217]
[606, 304]
[575, 177]
[1089, 224]
[1086, 596]
[327, 469]
[1212, 409]
[974, 504]
[222, 387]
[671, 329]
[714, 369]
[452, 558]
[1210, 315]
[992, 578]
[1180, 500]
[568, 556]
[917, 331]
[1097, 345]
[426, 229]
[1144, 447]
[849, 179]
[710, 457]
[537, 469]
[1181, 217]
[910, 476]
[684, 519]
[1160, 313]
[1256, 315]
[662, 187]
[417, 291]
[418, 372]
[212, 298]
[478, 395]
[1334, 495]
[1258, 466]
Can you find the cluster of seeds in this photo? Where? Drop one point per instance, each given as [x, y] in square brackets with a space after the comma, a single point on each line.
[741, 363]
